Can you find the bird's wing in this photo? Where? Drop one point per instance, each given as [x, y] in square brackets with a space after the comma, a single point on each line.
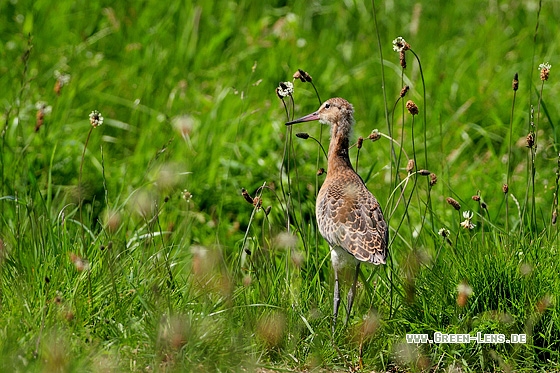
[350, 217]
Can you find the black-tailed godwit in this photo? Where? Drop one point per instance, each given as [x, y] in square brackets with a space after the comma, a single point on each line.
[348, 215]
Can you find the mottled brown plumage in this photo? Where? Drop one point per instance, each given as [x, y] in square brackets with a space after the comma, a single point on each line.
[348, 215]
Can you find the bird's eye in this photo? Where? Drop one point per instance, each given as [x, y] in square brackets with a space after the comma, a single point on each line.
[327, 106]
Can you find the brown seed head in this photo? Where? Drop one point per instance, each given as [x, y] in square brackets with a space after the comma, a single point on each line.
[374, 136]
[462, 299]
[424, 172]
[320, 171]
[404, 91]
[367, 328]
[57, 87]
[246, 195]
[271, 329]
[69, 316]
[303, 76]
[456, 205]
[530, 140]
[464, 292]
[61, 80]
[302, 135]
[360, 142]
[257, 202]
[543, 303]
[515, 83]
[433, 179]
[402, 59]
[505, 188]
[411, 107]
[476, 198]
[545, 70]
[40, 119]
[187, 196]
[410, 165]
[112, 221]
[80, 263]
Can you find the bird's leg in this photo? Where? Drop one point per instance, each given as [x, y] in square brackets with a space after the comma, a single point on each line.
[351, 293]
[336, 300]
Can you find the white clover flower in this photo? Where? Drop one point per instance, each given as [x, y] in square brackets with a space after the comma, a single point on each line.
[285, 89]
[44, 107]
[467, 224]
[286, 240]
[444, 232]
[95, 118]
[464, 288]
[464, 291]
[400, 45]
[544, 66]
[62, 78]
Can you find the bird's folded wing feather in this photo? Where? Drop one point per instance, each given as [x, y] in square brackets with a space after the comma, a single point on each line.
[352, 219]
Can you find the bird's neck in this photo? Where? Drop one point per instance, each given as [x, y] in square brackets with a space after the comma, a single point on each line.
[339, 158]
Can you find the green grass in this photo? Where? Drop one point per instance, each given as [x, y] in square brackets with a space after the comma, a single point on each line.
[165, 266]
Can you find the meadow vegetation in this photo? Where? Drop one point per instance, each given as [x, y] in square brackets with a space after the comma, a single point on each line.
[157, 215]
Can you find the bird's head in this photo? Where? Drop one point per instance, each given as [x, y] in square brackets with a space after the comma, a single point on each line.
[334, 112]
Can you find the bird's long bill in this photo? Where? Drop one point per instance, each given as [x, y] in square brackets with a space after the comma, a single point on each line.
[307, 118]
